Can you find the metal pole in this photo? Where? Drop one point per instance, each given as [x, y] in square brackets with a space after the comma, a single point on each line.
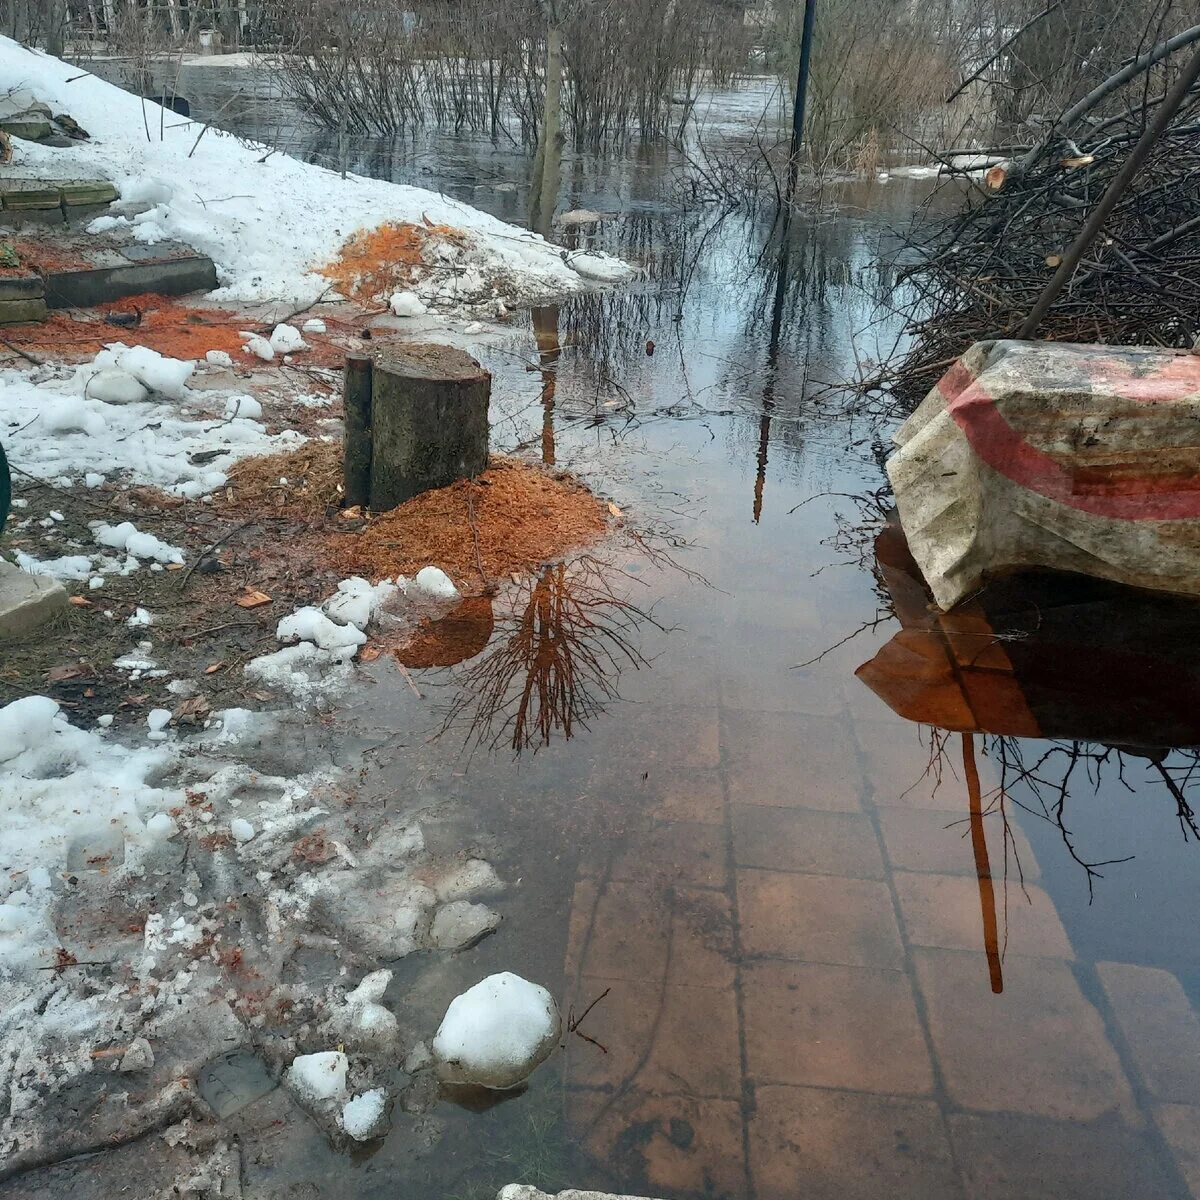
[806, 40]
[1092, 226]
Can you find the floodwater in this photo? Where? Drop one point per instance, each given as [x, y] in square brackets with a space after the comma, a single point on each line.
[825, 950]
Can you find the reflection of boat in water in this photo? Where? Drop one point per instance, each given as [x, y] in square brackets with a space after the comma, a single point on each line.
[1041, 655]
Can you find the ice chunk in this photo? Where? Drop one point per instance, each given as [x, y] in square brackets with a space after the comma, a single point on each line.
[218, 358]
[93, 479]
[364, 1023]
[167, 376]
[241, 829]
[312, 625]
[259, 347]
[433, 581]
[600, 268]
[115, 386]
[158, 718]
[126, 536]
[365, 1117]
[160, 827]
[408, 304]
[461, 924]
[357, 601]
[141, 617]
[242, 406]
[318, 1077]
[24, 724]
[497, 1033]
[313, 325]
[105, 720]
[286, 339]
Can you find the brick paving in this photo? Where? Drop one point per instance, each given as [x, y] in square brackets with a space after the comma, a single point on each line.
[800, 1004]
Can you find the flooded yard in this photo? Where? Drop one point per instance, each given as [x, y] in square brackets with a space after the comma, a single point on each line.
[807, 947]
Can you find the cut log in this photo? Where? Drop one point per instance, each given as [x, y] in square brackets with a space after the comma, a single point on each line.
[356, 402]
[429, 421]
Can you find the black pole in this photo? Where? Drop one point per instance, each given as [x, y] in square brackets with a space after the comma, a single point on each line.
[1092, 226]
[806, 40]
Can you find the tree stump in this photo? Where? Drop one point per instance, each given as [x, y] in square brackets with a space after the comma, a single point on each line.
[419, 422]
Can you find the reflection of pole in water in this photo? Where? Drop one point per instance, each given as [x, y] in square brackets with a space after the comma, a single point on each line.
[983, 870]
[768, 398]
[545, 329]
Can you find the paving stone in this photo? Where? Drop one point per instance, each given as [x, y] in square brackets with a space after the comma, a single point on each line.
[839, 1027]
[623, 1023]
[702, 950]
[896, 756]
[676, 852]
[944, 911]
[797, 839]
[1160, 1027]
[818, 918]
[1038, 1049]
[940, 841]
[670, 1039]
[660, 740]
[762, 680]
[87, 191]
[626, 937]
[663, 1145]
[688, 796]
[1021, 1158]
[27, 601]
[1180, 1127]
[20, 194]
[810, 1144]
[787, 761]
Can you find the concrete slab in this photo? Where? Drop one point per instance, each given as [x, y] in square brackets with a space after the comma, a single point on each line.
[27, 601]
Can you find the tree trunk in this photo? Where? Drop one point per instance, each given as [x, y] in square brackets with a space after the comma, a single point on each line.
[547, 170]
[429, 421]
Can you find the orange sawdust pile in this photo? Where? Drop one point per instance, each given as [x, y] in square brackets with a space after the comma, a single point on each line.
[511, 519]
[374, 263]
[163, 324]
[303, 484]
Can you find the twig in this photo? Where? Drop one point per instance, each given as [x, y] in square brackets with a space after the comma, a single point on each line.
[205, 553]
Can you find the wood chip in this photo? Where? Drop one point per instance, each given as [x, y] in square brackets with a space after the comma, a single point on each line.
[1054, 260]
[253, 599]
[369, 654]
[213, 668]
[174, 566]
[612, 508]
[81, 602]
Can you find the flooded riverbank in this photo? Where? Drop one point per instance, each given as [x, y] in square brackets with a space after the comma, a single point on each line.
[817, 956]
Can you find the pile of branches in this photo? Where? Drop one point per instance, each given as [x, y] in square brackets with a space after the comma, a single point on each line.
[977, 273]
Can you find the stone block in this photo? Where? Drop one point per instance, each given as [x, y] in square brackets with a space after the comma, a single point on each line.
[13, 312]
[27, 601]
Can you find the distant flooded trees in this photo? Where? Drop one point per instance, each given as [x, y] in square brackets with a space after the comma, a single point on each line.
[629, 68]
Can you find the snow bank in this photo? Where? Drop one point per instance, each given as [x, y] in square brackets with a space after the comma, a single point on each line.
[267, 222]
[497, 1033]
[50, 434]
[46, 765]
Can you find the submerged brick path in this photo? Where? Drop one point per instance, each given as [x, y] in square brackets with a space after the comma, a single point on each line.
[800, 1005]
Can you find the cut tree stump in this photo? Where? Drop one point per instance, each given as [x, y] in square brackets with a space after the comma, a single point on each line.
[421, 423]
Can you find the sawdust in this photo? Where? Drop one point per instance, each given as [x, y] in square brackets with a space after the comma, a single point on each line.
[374, 263]
[304, 484]
[511, 519]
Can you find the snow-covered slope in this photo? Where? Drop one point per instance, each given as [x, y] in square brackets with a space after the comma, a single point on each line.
[266, 221]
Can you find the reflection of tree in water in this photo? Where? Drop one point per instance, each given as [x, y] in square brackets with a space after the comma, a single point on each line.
[555, 665]
[1048, 779]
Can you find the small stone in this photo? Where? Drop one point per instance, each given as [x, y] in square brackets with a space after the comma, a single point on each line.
[139, 1057]
[460, 924]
